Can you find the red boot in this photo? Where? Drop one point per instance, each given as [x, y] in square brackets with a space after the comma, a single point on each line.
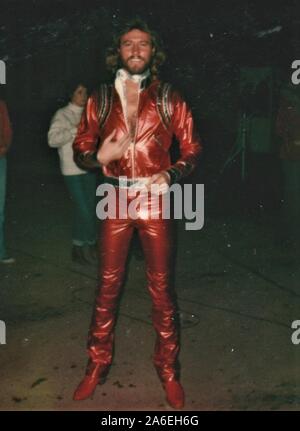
[174, 394]
[87, 386]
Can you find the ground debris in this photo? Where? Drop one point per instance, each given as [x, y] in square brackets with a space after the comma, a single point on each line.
[38, 382]
[18, 399]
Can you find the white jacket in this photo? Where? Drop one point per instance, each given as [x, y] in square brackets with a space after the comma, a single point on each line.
[62, 132]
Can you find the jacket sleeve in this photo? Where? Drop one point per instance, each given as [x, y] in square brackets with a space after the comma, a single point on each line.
[86, 140]
[60, 132]
[6, 130]
[189, 142]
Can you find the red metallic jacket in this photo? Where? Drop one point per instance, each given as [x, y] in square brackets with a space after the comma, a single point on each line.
[161, 114]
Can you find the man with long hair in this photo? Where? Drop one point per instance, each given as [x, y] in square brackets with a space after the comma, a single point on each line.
[127, 130]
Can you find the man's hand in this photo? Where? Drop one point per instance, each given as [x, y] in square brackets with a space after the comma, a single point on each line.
[162, 179]
[112, 150]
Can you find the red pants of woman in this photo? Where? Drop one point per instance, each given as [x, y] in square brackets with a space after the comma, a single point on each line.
[157, 240]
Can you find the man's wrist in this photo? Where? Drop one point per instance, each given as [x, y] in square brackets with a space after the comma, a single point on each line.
[174, 175]
[168, 177]
[91, 157]
[100, 161]
[88, 160]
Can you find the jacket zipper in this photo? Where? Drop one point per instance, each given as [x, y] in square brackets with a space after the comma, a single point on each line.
[135, 134]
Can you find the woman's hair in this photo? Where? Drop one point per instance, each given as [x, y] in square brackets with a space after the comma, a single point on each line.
[73, 85]
[113, 58]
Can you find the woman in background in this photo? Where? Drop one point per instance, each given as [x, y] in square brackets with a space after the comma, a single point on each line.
[81, 184]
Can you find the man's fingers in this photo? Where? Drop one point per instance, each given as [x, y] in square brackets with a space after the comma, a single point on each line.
[154, 178]
[109, 138]
[124, 148]
[111, 135]
[160, 178]
[124, 139]
[124, 144]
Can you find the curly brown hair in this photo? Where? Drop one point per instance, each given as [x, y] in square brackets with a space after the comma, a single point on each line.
[112, 59]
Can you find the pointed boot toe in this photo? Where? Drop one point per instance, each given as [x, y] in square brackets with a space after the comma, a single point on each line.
[88, 384]
[86, 388]
[174, 394]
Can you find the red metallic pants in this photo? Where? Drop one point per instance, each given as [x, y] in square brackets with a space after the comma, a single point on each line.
[157, 238]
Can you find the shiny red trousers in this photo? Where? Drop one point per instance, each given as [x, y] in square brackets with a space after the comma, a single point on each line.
[157, 239]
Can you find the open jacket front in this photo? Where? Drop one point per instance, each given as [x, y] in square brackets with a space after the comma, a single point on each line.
[162, 113]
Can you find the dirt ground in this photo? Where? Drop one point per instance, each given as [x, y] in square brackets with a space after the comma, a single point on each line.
[238, 293]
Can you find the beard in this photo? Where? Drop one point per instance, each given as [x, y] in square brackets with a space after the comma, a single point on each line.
[137, 68]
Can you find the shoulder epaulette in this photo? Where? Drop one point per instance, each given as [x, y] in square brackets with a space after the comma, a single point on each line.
[164, 105]
[104, 103]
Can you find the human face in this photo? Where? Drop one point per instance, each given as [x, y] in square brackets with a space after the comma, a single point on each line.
[79, 97]
[136, 51]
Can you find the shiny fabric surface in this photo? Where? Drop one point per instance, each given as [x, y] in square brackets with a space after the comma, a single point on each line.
[149, 152]
[157, 238]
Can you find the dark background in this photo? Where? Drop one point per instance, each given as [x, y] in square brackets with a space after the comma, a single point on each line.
[48, 44]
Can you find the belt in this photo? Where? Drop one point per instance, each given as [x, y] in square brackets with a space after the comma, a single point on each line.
[124, 182]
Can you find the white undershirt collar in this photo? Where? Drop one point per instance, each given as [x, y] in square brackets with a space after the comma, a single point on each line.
[123, 75]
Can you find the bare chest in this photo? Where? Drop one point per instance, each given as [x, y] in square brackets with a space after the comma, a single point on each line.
[132, 99]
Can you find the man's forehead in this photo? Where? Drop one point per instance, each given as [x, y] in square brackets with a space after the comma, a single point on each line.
[136, 34]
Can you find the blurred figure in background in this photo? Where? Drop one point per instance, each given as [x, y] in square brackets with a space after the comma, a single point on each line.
[5, 141]
[81, 184]
[288, 128]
